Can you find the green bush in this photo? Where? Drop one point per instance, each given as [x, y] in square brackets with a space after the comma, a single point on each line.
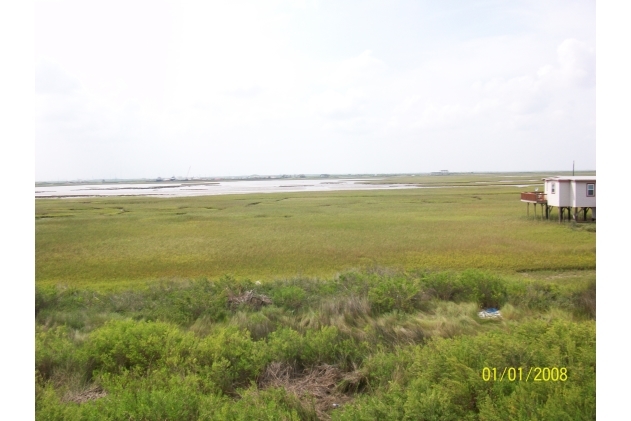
[386, 406]
[257, 323]
[137, 346]
[443, 285]
[585, 301]
[291, 297]
[386, 367]
[185, 303]
[55, 350]
[483, 288]
[286, 345]
[230, 357]
[48, 407]
[534, 295]
[320, 346]
[444, 378]
[324, 345]
[157, 395]
[264, 405]
[45, 297]
[395, 293]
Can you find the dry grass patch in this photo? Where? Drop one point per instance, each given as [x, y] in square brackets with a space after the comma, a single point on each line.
[317, 386]
[91, 393]
[249, 298]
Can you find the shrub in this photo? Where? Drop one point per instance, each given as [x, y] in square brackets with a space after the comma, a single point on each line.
[55, 351]
[396, 293]
[485, 289]
[320, 346]
[265, 405]
[136, 346]
[585, 301]
[291, 297]
[45, 297]
[284, 345]
[443, 379]
[385, 367]
[156, 395]
[185, 303]
[230, 357]
[534, 295]
[257, 323]
[443, 285]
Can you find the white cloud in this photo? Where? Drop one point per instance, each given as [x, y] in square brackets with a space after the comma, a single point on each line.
[240, 88]
[360, 70]
[334, 105]
[506, 103]
[578, 63]
[50, 78]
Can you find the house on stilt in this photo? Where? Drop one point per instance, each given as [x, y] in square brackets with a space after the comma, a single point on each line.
[575, 195]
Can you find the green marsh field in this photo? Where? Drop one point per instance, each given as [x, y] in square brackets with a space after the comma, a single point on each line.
[347, 305]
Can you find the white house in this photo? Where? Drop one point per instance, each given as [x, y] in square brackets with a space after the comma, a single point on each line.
[569, 193]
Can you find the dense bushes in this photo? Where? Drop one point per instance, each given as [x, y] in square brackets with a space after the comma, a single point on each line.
[136, 346]
[485, 289]
[185, 303]
[445, 383]
[193, 378]
[411, 346]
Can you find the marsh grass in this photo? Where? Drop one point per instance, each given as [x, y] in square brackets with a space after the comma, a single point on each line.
[459, 228]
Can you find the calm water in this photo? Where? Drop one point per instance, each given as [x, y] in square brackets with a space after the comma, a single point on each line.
[205, 188]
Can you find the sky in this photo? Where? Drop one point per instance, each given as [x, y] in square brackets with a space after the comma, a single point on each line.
[145, 89]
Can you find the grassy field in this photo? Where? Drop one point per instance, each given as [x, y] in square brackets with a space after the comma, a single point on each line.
[105, 242]
[314, 306]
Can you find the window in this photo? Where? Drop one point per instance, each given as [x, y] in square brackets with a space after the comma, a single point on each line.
[591, 190]
[552, 187]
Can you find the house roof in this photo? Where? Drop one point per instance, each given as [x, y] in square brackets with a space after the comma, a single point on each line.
[572, 178]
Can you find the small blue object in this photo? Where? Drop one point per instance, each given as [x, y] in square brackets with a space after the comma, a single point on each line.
[489, 313]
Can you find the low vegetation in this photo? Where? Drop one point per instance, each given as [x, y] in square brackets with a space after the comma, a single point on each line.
[362, 345]
[111, 243]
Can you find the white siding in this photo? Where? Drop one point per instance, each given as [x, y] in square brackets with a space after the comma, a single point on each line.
[570, 192]
[553, 199]
[581, 200]
[565, 193]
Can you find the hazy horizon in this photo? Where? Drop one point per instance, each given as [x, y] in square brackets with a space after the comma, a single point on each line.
[277, 176]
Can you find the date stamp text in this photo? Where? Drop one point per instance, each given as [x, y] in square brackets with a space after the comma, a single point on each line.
[520, 374]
